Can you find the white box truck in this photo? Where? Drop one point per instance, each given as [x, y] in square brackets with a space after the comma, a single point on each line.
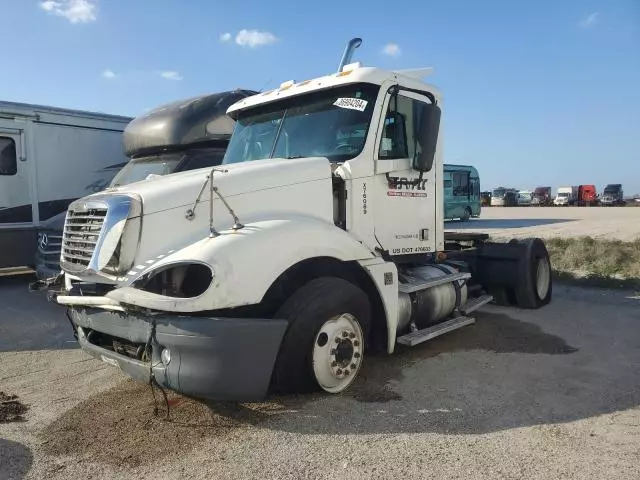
[319, 240]
[566, 196]
[48, 158]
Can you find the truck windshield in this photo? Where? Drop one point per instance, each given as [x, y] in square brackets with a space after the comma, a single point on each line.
[563, 194]
[139, 168]
[499, 193]
[330, 123]
[165, 163]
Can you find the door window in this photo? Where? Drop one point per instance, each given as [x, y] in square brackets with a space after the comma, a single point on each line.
[400, 133]
[8, 157]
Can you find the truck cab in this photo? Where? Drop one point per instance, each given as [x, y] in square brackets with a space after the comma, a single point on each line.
[542, 197]
[317, 241]
[587, 196]
[612, 195]
[566, 196]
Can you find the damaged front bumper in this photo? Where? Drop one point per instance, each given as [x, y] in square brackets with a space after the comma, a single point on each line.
[214, 358]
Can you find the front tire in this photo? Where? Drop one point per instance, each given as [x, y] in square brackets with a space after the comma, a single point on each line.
[466, 215]
[324, 344]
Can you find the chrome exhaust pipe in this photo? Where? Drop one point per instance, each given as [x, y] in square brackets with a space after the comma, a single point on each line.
[348, 52]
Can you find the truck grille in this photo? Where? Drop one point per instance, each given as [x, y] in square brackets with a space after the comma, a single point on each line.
[81, 232]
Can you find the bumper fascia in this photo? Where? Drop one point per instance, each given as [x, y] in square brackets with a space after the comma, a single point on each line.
[226, 359]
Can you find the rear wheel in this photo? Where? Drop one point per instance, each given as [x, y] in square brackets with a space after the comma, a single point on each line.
[324, 345]
[535, 285]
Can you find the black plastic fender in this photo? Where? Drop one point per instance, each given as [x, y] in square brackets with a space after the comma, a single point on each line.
[510, 272]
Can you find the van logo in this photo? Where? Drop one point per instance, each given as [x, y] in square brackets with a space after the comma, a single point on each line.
[44, 240]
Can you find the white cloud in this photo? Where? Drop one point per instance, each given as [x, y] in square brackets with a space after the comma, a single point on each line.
[391, 49]
[171, 75]
[590, 20]
[254, 38]
[76, 11]
[225, 37]
[109, 74]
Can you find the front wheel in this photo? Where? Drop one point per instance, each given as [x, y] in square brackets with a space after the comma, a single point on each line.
[466, 215]
[324, 345]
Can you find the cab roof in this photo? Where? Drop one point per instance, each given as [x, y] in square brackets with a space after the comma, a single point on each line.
[353, 73]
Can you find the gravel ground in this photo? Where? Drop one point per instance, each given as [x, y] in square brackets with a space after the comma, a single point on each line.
[553, 393]
[609, 222]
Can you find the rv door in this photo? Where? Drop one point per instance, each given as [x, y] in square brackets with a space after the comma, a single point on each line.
[17, 235]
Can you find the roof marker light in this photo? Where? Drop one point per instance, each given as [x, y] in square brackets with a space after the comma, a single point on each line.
[352, 66]
[288, 84]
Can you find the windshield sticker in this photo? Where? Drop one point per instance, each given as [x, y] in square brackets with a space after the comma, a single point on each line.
[351, 103]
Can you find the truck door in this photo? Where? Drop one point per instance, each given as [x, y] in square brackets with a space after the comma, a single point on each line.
[405, 203]
[17, 238]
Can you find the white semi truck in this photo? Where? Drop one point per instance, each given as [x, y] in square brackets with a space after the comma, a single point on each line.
[318, 241]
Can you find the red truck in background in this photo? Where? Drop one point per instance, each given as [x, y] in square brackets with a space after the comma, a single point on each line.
[587, 196]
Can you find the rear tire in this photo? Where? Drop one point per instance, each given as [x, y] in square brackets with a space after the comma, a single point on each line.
[323, 346]
[535, 285]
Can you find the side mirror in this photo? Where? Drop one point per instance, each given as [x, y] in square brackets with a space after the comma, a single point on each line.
[427, 136]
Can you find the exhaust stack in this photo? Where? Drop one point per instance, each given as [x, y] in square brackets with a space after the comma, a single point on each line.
[348, 52]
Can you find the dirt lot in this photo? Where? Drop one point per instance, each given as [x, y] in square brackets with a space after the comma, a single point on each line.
[622, 223]
[553, 393]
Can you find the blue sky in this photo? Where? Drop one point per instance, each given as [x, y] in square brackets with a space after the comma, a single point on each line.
[535, 93]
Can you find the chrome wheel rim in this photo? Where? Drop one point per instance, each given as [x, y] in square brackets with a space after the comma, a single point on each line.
[543, 277]
[337, 353]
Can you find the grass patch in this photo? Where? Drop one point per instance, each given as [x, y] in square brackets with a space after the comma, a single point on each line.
[597, 262]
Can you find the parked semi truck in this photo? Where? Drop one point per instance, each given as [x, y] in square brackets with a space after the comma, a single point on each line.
[542, 197]
[566, 196]
[183, 135]
[612, 195]
[525, 197]
[587, 196]
[318, 240]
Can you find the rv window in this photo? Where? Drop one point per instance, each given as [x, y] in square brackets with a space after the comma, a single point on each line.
[447, 184]
[8, 160]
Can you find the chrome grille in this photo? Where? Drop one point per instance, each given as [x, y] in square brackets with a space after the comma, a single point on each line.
[81, 231]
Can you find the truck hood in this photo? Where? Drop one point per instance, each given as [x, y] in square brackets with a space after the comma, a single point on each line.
[181, 189]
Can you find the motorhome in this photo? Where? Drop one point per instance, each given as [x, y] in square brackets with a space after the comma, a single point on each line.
[461, 192]
[179, 136]
[50, 157]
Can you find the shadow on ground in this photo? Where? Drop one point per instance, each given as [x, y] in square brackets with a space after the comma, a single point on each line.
[505, 223]
[28, 321]
[15, 460]
[497, 374]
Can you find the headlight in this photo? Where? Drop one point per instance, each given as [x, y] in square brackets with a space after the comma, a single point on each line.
[186, 279]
